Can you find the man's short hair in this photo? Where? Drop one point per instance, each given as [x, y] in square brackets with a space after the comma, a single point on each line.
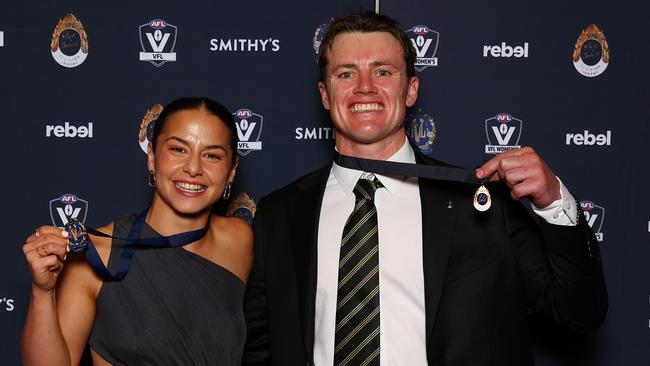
[366, 22]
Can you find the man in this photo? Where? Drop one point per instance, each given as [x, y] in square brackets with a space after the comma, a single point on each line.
[355, 268]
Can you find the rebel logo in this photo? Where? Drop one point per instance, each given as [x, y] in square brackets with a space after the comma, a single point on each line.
[69, 130]
[506, 51]
[589, 139]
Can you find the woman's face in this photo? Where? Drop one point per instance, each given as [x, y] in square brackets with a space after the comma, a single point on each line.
[192, 161]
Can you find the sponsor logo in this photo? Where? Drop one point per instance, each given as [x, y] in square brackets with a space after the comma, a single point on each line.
[7, 304]
[314, 133]
[595, 215]
[249, 130]
[243, 207]
[505, 50]
[69, 44]
[591, 52]
[318, 37]
[158, 39]
[421, 128]
[146, 126]
[587, 138]
[68, 130]
[503, 133]
[67, 206]
[245, 45]
[425, 40]
[2, 39]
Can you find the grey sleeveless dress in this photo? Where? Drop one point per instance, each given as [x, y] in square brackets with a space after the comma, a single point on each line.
[173, 308]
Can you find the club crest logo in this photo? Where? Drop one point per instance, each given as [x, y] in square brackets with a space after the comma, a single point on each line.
[243, 207]
[146, 126]
[591, 52]
[69, 44]
[67, 207]
[249, 130]
[158, 40]
[421, 129]
[318, 37]
[595, 216]
[503, 132]
[425, 41]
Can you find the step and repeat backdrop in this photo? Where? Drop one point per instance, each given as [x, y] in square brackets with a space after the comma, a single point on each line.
[80, 81]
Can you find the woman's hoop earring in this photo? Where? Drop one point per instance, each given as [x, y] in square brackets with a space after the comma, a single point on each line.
[151, 179]
[226, 191]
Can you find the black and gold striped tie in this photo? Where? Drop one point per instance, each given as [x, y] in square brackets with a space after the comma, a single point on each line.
[356, 340]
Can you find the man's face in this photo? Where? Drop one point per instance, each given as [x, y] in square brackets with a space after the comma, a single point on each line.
[366, 89]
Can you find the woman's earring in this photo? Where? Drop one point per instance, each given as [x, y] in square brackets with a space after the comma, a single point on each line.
[226, 191]
[151, 180]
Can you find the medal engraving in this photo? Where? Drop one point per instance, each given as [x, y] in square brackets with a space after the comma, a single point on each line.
[78, 237]
[482, 199]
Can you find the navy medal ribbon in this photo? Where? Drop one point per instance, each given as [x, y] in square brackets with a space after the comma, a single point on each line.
[80, 241]
[482, 200]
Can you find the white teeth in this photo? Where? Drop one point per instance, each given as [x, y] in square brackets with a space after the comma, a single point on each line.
[190, 187]
[365, 107]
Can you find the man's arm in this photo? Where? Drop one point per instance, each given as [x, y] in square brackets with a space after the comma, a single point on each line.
[257, 347]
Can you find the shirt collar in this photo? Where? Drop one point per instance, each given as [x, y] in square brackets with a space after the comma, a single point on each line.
[347, 178]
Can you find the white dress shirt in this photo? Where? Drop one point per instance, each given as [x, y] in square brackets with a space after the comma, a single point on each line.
[401, 277]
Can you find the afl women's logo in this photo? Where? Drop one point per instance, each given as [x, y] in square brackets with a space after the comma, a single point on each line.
[591, 52]
[249, 130]
[421, 128]
[146, 126]
[69, 44]
[595, 216]
[425, 41]
[503, 132]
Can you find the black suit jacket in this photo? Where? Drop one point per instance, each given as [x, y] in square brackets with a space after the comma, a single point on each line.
[484, 273]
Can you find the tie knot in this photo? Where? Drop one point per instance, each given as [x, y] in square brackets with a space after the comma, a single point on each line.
[365, 188]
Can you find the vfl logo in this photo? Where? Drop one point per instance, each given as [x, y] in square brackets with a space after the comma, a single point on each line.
[160, 39]
[249, 130]
[67, 207]
[425, 41]
[503, 133]
[595, 216]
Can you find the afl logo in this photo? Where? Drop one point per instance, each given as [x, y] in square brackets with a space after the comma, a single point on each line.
[68, 198]
[69, 44]
[504, 117]
[591, 52]
[157, 24]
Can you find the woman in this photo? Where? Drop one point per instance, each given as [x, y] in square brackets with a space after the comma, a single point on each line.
[178, 305]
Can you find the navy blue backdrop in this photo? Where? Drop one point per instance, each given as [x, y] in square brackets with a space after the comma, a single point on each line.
[493, 75]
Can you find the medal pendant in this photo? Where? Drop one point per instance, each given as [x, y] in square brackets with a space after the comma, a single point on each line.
[78, 237]
[482, 199]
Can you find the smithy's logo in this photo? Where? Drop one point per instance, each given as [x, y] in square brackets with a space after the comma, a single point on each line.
[67, 207]
[249, 130]
[503, 133]
[158, 39]
[425, 41]
[595, 216]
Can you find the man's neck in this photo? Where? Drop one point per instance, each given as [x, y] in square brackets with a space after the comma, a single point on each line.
[377, 151]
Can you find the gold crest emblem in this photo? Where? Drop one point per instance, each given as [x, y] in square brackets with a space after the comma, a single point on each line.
[69, 45]
[591, 52]
[243, 207]
[145, 130]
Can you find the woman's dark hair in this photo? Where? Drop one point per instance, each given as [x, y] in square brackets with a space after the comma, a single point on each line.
[196, 103]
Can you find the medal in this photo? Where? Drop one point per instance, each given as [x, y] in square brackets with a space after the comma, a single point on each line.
[78, 238]
[482, 199]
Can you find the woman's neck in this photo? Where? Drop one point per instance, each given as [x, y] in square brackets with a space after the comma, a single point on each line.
[167, 221]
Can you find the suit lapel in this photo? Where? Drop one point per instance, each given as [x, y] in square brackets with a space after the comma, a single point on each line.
[305, 216]
[438, 220]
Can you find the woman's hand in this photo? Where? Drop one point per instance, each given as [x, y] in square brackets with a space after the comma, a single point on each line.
[45, 251]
